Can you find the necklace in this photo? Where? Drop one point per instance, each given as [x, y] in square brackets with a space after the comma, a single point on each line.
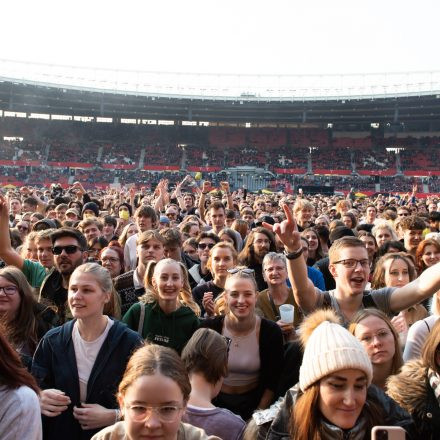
[235, 339]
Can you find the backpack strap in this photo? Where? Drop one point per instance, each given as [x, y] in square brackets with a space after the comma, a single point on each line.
[141, 318]
[427, 325]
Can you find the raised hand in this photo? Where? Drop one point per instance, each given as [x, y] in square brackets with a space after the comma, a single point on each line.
[287, 231]
[206, 186]
[225, 187]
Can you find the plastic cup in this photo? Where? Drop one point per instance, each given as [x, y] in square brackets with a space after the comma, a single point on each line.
[286, 313]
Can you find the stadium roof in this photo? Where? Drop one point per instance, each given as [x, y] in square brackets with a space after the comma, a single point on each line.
[74, 91]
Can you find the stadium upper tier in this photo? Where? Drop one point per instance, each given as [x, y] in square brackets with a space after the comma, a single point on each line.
[227, 86]
[379, 98]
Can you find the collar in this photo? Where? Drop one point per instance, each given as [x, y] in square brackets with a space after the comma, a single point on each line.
[138, 284]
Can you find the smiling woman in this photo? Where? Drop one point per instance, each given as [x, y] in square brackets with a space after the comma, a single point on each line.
[334, 398]
[256, 352]
[166, 314]
[79, 365]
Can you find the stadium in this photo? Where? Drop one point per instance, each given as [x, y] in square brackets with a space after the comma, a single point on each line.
[375, 133]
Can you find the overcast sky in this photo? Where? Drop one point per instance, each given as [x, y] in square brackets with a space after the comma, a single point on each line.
[278, 37]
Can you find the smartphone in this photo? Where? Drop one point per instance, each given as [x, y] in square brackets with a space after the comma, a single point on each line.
[388, 433]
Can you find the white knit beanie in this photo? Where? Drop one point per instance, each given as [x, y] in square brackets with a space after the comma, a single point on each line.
[329, 348]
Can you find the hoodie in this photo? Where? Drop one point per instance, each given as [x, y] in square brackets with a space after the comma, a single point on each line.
[170, 330]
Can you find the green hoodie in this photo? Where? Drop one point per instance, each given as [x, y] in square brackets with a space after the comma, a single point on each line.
[172, 330]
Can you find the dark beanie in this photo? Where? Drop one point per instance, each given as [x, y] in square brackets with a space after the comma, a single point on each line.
[93, 207]
[339, 232]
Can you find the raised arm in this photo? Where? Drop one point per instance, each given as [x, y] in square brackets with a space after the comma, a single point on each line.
[303, 289]
[7, 253]
[227, 190]
[418, 290]
[206, 187]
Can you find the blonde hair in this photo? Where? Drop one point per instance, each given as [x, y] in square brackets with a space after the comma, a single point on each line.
[151, 293]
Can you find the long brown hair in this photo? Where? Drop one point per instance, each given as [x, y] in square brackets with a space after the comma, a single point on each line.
[430, 347]
[21, 328]
[378, 277]
[305, 417]
[12, 372]
[304, 422]
[365, 313]
[247, 255]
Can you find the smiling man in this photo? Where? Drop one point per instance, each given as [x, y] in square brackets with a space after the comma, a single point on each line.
[349, 266]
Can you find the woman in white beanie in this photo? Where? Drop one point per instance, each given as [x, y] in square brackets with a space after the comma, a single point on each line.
[334, 398]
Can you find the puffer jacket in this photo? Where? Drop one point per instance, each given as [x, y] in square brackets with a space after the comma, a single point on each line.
[412, 391]
[392, 415]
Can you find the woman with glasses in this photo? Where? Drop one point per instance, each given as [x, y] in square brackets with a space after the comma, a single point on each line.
[199, 273]
[79, 365]
[416, 387]
[256, 352]
[222, 257]
[112, 258]
[152, 397]
[381, 342]
[24, 320]
[166, 314]
[206, 359]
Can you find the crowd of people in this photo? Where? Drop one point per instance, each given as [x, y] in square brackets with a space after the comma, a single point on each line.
[190, 311]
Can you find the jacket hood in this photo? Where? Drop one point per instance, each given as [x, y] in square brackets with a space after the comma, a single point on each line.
[408, 388]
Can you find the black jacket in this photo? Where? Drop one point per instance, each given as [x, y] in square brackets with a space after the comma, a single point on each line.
[271, 350]
[392, 415]
[54, 366]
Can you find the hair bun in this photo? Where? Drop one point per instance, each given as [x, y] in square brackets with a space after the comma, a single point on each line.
[314, 320]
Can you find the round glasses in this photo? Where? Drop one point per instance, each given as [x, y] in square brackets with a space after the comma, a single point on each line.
[166, 414]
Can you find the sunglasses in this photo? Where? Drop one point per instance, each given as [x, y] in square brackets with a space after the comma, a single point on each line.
[69, 249]
[205, 245]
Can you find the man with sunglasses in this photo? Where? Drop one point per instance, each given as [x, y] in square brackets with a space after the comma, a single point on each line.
[199, 273]
[69, 247]
[349, 266]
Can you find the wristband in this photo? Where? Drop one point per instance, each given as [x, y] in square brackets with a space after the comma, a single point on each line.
[293, 255]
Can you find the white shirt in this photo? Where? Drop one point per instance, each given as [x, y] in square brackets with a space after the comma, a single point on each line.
[86, 353]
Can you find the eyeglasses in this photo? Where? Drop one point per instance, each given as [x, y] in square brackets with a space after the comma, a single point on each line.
[9, 290]
[239, 270]
[110, 259]
[22, 228]
[369, 339]
[351, 263]
[166, 414]
[205, 245]
[69, 249]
